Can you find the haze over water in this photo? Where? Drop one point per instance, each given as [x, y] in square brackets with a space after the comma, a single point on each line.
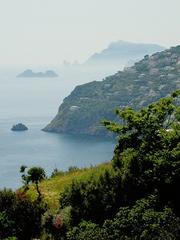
[34, 102]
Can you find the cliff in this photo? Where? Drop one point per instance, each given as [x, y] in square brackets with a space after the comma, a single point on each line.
[148, 80]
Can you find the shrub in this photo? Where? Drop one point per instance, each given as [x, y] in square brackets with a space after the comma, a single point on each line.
[20, 218]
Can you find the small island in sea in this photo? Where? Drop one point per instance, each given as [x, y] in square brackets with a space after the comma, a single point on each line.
[19, 127]
[30, 74]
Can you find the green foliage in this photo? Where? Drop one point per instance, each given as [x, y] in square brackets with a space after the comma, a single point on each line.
[147, 153]
[57, 172]
[71, 169]
[7, 199]
[54, 227]
[34, 175]
[52, 187]
[19, 217]
[143, 221]
[86, 230]
[5, 225]
[11, 238]
[94, 199]
[28, 217]
[146, 160]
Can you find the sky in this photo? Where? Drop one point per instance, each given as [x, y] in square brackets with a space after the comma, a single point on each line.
[50, 31]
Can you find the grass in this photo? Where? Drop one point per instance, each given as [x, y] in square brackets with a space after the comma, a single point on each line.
[52, 187]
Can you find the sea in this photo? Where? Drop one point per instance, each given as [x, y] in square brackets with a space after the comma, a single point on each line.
[34, 102]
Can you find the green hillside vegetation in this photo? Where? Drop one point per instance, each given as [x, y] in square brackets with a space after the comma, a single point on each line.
[52, 187]
[136, 196]
[147, 81]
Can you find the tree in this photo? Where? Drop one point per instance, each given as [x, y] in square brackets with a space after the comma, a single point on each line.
[20, 218]
[34, 175]
[94, 199]
[146, 160]
[145, 220]
[148, 150]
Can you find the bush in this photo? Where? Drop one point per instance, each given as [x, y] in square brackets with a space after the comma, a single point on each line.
[94, 199]
[85, 230]
[147, 153]
[145, 221]
[20, 218]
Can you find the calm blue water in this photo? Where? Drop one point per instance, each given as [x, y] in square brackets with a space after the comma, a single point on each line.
[35, 102]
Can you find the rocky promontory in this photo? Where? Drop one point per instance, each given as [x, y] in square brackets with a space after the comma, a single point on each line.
[148, 80]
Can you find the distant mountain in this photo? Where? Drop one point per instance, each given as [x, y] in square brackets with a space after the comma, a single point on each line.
[110, 60]
[121, 52]
[148, 80]
[30, 74]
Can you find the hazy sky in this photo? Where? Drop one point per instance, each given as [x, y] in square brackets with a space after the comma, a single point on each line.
[48, 31]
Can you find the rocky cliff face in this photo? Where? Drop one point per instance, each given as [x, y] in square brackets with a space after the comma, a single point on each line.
[148, 80]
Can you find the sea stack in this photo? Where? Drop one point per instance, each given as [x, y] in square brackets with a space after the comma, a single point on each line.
[19, 127]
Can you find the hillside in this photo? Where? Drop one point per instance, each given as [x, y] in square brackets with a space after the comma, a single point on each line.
[107, 61]
[148, 80]
[52, 187]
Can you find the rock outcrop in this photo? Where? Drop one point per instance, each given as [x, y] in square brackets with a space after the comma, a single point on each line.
[19, 127]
